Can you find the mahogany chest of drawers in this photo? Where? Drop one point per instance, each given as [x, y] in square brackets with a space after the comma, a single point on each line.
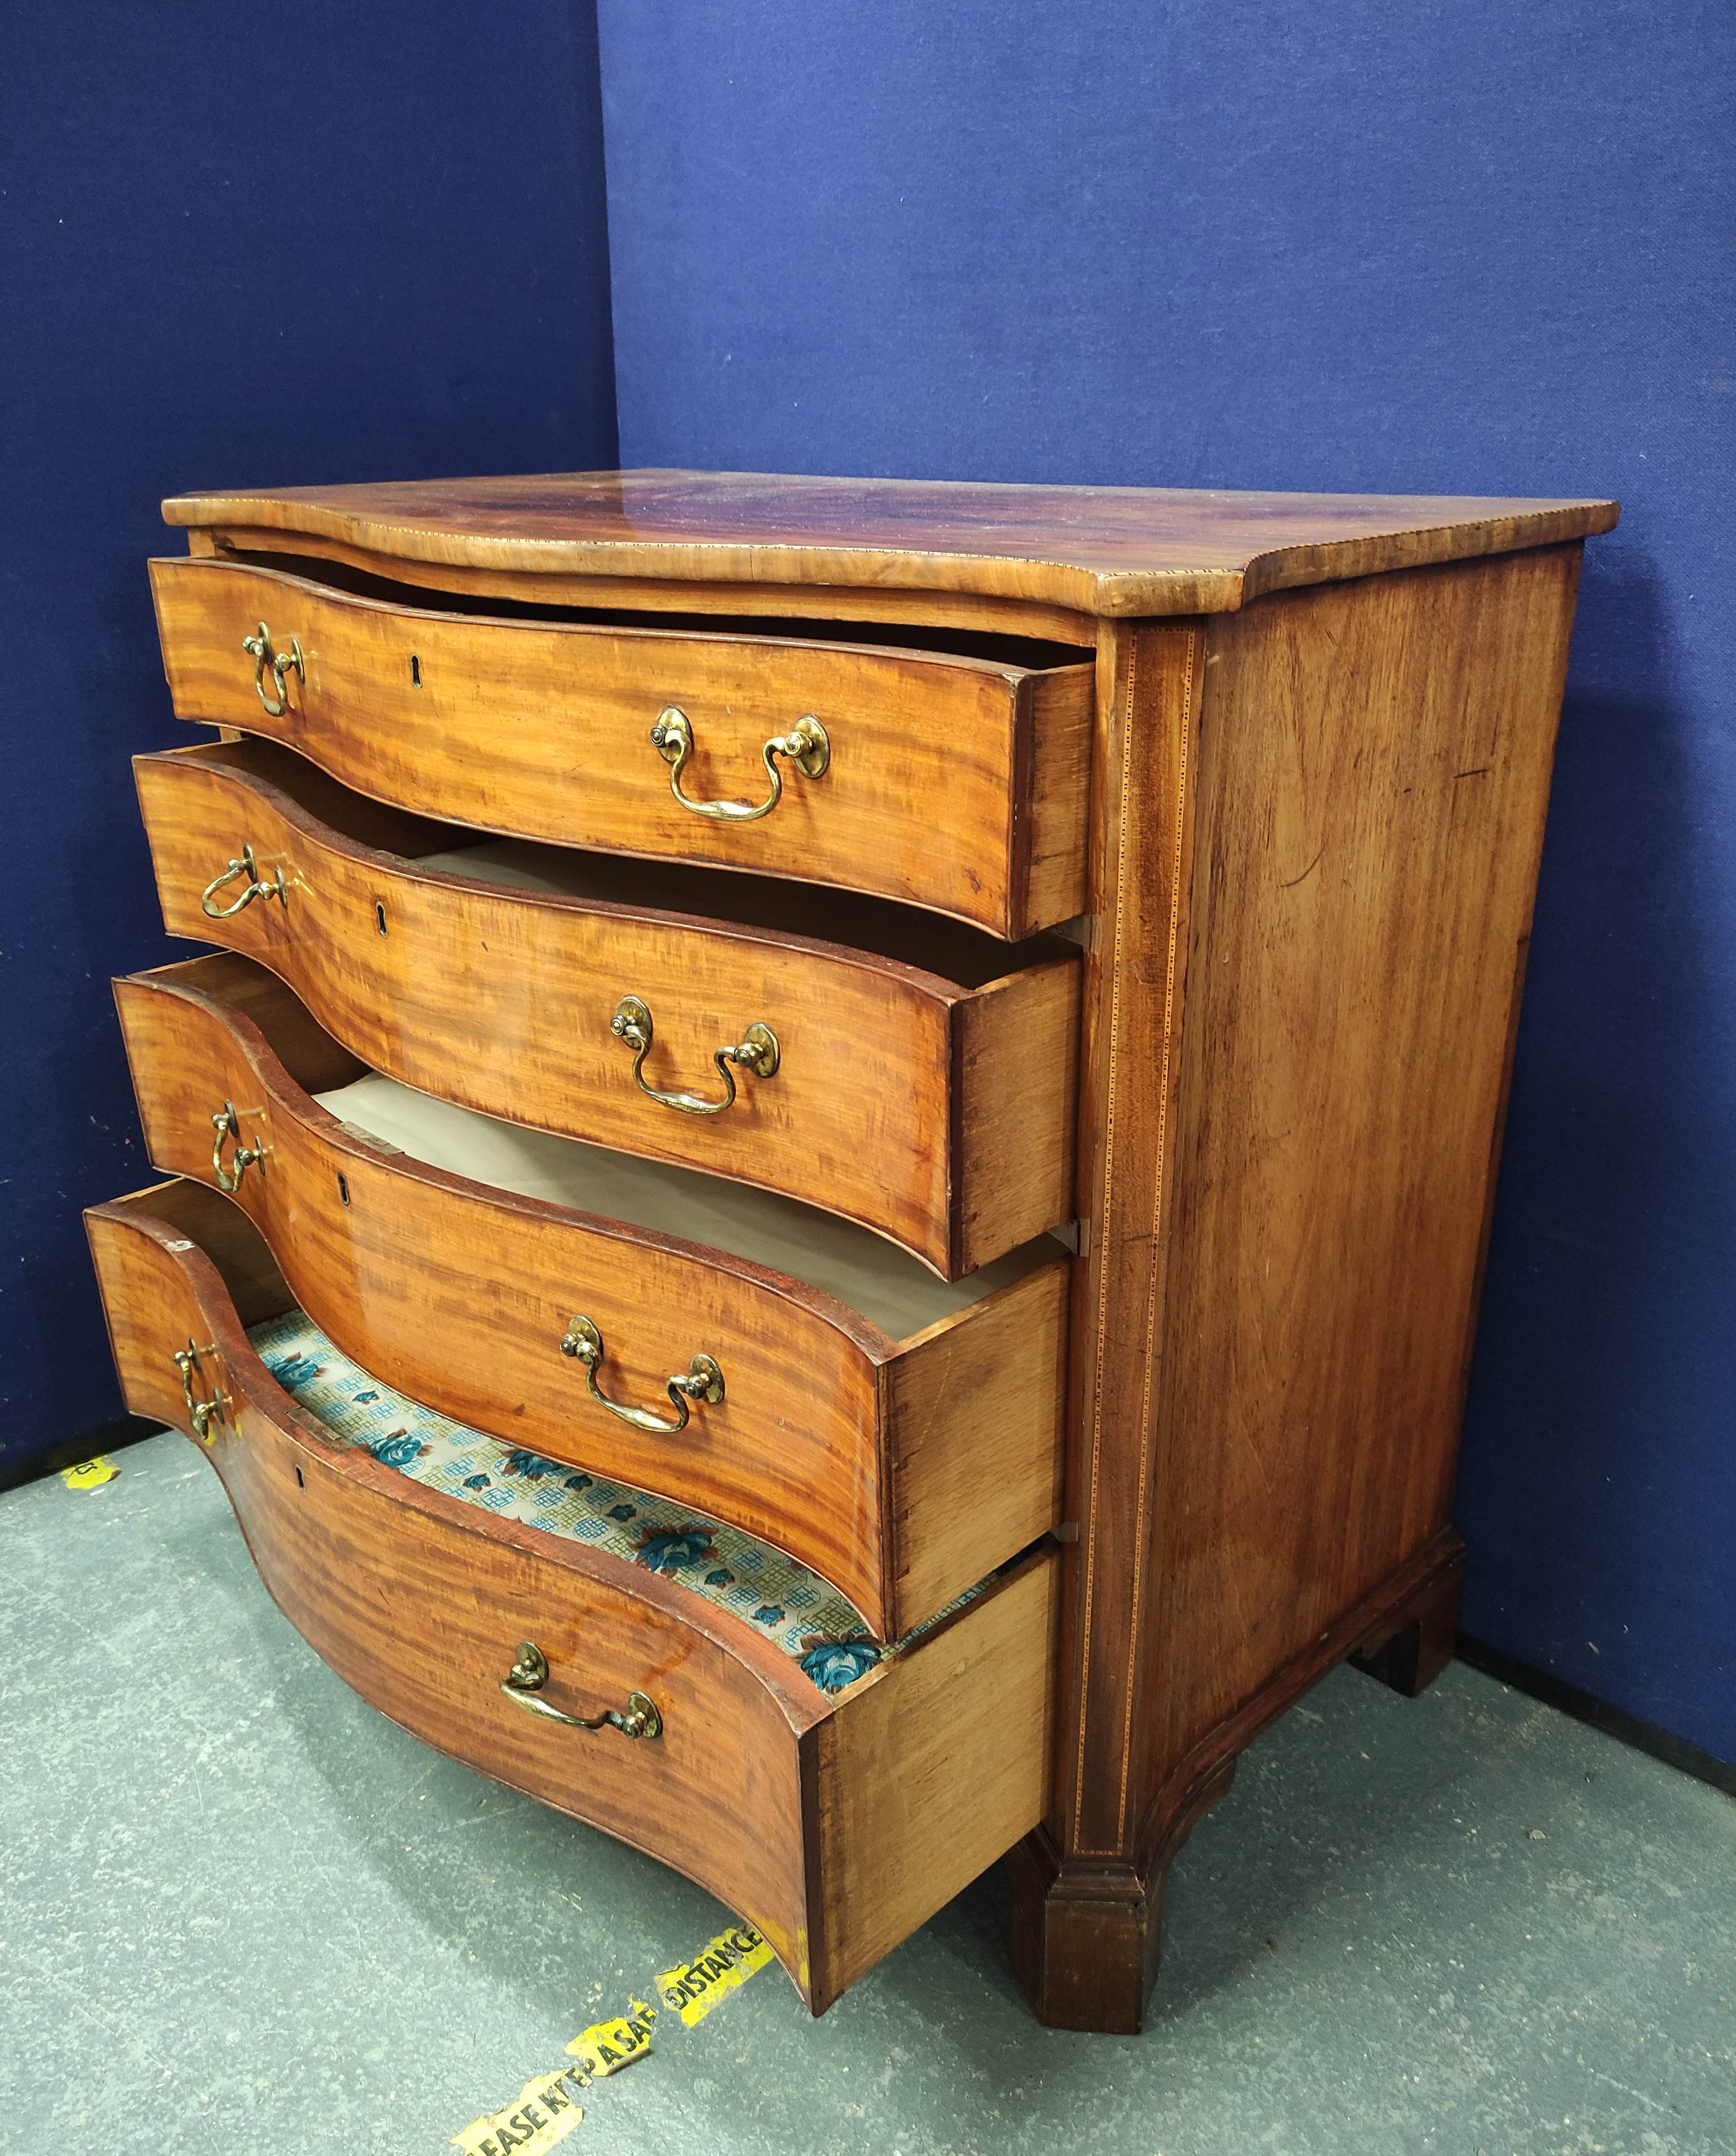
[830, 1180]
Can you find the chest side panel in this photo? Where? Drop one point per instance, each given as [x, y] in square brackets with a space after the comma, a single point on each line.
[1374, 773]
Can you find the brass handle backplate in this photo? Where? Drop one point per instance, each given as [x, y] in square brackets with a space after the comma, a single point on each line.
[227, 1125]
[530, 1673]
[248, 867]
[259, 649]
[704, 1381]
[807, 746]
[200, 1413]
[756, 1053]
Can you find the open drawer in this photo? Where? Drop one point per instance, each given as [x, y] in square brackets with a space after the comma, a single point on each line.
[923, 1078]
[900, 1436]
[836, 1823]
[953, 778]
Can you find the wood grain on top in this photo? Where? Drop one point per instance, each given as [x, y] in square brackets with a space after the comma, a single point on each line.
[1103, 550]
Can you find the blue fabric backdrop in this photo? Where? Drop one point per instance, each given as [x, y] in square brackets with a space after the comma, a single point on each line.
[1464, 248]
[1461, 248]
[242, 245]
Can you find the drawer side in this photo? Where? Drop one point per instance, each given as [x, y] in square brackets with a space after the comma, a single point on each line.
[975, 1411]
[1056, 794]
[1015, 1099]
[928, 1772]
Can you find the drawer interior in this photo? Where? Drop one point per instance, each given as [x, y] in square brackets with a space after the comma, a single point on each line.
[995, 647]
[777, 1597]
[931, 943]
[792, 1607]
[885, 1284]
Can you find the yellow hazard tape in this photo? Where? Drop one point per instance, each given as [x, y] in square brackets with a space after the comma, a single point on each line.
[89, 1474]
[543, 2114]
[693, 1988]
[606, 2046]
[546, 2111]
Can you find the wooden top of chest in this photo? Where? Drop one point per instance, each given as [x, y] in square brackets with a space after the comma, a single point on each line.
[1102, 550]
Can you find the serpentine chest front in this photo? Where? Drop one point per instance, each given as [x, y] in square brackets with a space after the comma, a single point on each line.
[829, 1179]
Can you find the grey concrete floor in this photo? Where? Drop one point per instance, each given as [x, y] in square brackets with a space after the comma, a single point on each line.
[240, 1912]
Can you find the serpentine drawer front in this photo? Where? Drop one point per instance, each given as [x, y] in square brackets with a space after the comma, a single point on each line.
[951, 781]
[837, 1825]
[900, 1436]
[949, 1040]
[920, 1077]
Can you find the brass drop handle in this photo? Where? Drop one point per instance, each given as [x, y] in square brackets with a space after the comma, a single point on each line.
[200, 1413]
[806, 745]
[756, 1053]
[227, 1125]
[704, 1381]
[259, 649]
[530, 1673]
[248, 867]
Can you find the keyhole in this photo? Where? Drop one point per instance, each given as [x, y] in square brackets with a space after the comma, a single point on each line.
[299, 1484]
[379, 916]
[343, 1188]
[415, 671]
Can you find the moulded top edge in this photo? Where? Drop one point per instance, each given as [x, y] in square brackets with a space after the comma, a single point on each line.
[1115, 551]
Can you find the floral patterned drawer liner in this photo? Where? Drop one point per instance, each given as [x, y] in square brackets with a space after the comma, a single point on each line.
[792, 1606]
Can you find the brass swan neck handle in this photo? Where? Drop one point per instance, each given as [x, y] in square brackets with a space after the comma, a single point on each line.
[259, 648]
[528, 1675]
[807, 746]
[226, 1123]
[200, 1413]
[756, 1053]
[256, 887]
[704, 1381]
